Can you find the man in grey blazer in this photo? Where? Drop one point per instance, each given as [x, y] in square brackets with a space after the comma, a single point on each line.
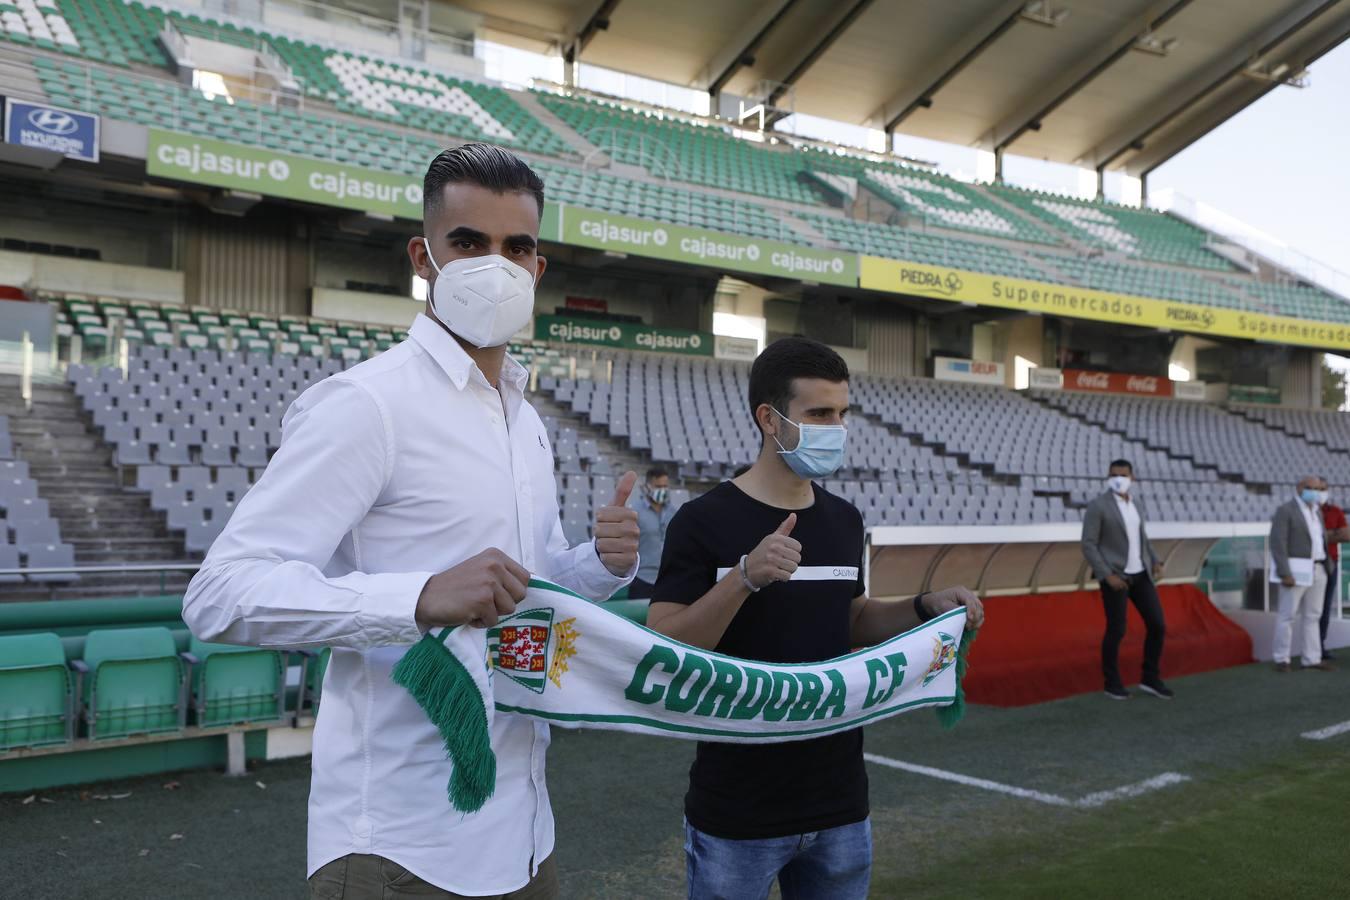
[1116, 545]
[1297, 533]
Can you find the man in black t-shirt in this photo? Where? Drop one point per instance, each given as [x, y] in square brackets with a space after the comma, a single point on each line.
[768, 566]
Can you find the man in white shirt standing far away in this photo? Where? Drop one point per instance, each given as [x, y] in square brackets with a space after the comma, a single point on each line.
[1298, 553]
[1116, 546]
[411, 492]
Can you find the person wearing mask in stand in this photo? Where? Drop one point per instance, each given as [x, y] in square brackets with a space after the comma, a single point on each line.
[1116, 545]
[654, 513]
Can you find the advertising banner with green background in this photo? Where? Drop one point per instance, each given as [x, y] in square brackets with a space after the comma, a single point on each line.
[698, 246]
[1250, 393]
[621, 335]
[186, 157]
[237, 167]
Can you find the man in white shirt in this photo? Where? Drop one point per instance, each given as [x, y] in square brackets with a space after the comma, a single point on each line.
[1116, 545]
[412, 492]
[1298, 551]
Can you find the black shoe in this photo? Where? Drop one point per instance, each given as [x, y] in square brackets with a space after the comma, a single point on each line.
[1157, 689]
[1327, 654]
[1117, 693]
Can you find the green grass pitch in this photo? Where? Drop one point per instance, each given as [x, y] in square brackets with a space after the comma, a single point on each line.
[1262, 812]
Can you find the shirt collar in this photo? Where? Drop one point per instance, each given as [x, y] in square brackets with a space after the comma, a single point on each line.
[452, 359]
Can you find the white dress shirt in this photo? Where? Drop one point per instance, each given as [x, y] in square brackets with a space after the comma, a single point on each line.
[1312, 517]
[396, 469]
[1134, 561]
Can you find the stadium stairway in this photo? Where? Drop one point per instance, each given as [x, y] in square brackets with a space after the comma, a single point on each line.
[75, 475]
[583, 147]
[1013, 210]
[1111, 428]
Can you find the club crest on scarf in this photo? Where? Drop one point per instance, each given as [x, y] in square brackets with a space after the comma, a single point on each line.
[944, 655]
[531, 649]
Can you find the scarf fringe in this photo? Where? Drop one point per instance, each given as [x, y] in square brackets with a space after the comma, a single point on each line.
[948, 716]
[447, 692]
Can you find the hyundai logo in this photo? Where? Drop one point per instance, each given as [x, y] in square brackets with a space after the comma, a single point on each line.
[52, 122]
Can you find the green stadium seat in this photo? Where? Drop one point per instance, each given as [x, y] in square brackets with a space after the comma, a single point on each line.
[1140, 233]
[233, 685]
[132, 683]
[35, 695]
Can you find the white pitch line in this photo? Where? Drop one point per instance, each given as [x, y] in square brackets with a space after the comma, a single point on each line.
[987, 785]
[1330, 731]
[1100, 798]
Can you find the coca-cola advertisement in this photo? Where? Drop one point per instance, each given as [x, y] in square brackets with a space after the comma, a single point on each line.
[1116, 383]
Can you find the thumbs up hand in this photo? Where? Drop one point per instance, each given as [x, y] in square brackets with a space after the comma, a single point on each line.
[776, 557]
[616, 530]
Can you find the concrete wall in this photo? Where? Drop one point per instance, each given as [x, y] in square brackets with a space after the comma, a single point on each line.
[82, 276]
[359, 306]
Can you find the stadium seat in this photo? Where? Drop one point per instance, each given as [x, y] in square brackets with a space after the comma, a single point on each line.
[35, 692]
[133, 683]
[232, 685]
[51, 556]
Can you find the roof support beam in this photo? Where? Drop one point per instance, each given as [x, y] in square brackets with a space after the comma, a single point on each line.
[919, 94]
[814, 54]
[597, 22]
[1224, 69]
[739, 52]
[1317, 43]
[1030, 115]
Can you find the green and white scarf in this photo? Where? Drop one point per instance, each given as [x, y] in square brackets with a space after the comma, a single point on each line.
[565, 660]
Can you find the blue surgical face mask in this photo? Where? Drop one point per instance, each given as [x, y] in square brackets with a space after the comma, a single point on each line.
[820, 449]
[1309, 495]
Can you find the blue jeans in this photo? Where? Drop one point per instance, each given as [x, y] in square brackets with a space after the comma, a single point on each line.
[835, 864]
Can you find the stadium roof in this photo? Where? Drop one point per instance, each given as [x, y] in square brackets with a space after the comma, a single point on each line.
[1124, 84]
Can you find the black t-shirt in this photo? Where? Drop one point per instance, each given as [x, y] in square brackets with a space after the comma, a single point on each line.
[750, 791]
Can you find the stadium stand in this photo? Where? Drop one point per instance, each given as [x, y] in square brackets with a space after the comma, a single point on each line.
[1146, 281]
[187, 429]
[919, 246]
[1297, 300]
[93, 684]
[943, 202]
[675, 148]
[921, 451]
[197, 414]
[1217, 440]
[1139, 233]
[607, 193]
[392, 116]
[1329, 428]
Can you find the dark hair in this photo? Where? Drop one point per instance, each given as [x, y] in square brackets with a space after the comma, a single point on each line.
[1120, 463]
[657, 472]
[788, 358]
[484, 165]
[741, 470]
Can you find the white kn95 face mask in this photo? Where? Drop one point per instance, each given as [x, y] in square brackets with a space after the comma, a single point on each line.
[483, 299]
